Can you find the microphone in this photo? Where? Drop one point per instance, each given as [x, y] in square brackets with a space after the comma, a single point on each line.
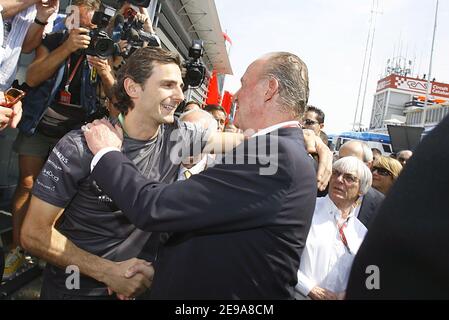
[118, 27]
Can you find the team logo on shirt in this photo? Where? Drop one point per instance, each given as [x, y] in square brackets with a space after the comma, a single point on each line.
[50, 174]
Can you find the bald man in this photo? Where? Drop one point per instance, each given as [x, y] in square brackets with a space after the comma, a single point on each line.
[404, 156]
[357, 149]
[371, 201]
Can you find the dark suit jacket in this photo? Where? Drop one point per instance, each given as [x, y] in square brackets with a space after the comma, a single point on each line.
[409, 239]
[237, 234]
[370, 204]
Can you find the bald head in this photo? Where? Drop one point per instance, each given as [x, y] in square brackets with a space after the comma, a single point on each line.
[357, 149]
[403, 156]
[198, 116]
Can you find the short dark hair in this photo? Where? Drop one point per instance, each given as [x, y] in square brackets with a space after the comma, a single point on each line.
[193, 102]
[139, 68]
[214, 107]
[318, 111]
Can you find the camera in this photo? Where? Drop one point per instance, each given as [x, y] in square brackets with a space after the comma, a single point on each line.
[132, 30]
[101, 44]
[195, 69]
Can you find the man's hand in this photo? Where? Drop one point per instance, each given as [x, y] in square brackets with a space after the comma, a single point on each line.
[129, 278]
[101, 134]
[10, 116]
[102, 65]
[16, 114]
[5, 117]
[318, 293]
[45, 8]
[315, 145]
[78, 39]
[145, 268]
[143, 17]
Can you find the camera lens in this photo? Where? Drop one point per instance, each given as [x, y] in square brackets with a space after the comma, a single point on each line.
[104, 48]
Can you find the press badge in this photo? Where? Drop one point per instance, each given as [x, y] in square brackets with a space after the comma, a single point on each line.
[65, 96]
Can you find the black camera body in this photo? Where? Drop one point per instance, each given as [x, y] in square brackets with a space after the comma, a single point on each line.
[101, 44]
[132, 30]
[195, 69]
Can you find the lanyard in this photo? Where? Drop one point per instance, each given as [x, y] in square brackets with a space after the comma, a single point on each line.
[69, 80]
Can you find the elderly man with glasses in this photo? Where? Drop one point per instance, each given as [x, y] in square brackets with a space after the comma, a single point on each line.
[335, 234]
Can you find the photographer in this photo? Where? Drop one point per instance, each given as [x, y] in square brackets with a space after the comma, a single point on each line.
[129, 17]
[62, 98]
[23, 24]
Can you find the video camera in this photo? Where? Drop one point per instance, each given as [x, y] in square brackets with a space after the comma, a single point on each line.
[195, 69]
[101, 44]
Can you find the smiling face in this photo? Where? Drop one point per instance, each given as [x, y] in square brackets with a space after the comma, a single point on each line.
[161, 94]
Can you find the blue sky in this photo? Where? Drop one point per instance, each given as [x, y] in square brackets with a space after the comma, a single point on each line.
[330, 36]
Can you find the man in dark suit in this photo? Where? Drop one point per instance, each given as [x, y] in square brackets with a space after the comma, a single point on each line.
[405, 254]
[242, 233]
[372, 199]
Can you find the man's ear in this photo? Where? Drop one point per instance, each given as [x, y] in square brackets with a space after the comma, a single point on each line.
[272, 89]
[132, 88]
[321, 125]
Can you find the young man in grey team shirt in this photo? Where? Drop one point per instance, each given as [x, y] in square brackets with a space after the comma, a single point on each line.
[90, 232]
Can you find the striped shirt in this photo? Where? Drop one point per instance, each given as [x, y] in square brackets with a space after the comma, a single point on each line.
[12, 45]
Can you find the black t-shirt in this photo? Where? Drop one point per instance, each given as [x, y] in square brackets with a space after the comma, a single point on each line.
[90, 219]
[62, 118]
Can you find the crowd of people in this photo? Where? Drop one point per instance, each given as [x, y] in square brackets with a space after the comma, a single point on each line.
[115, 198]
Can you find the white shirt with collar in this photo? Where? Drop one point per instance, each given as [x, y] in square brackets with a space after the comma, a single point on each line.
[326, 261]
[197, 168]
[276, 127]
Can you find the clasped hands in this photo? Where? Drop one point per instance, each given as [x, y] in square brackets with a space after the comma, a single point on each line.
[128, 279]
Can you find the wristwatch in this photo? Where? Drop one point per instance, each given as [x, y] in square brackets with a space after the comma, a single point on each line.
[37, 21]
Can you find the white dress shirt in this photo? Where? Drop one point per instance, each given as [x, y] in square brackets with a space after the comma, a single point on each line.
[326, 261]
[197, 168]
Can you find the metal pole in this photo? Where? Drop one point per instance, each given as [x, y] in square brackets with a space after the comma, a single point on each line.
[424, 113]
[369, 64]
[363, 69]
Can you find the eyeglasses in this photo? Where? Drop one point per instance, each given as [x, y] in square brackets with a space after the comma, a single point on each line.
[12, 96]
[381, 171]
[309, 122]
[347, 177]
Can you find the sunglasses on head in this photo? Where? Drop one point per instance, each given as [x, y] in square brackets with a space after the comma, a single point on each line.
[309, 122]
[12, 96]
[381, 171]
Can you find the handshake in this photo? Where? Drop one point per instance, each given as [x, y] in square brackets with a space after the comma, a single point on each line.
[128, 279]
